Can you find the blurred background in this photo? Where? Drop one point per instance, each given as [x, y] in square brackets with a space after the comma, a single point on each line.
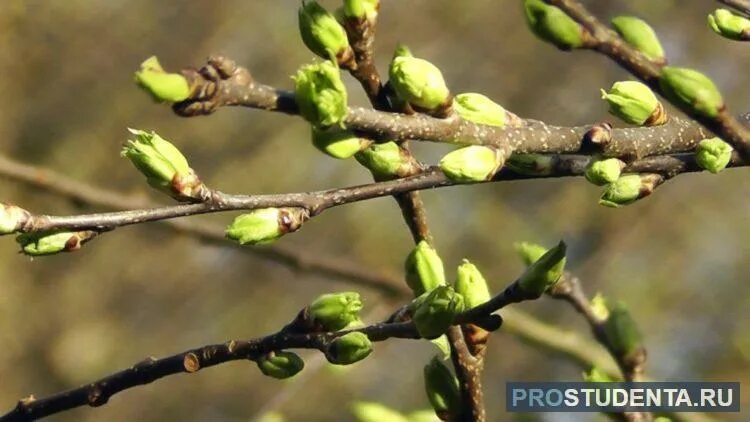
[679, 259]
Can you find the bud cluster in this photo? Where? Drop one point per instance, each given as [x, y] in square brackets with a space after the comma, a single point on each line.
[320, 94]
[164, 166]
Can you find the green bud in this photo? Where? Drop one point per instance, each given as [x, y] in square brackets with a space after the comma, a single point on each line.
[545, 271]
[640, 35]
[320, 94]
[424, 269]
[471, 285]
[603, 171]
[691, 89]
[49, 243]
[349, 348]
[531, 164]
[552, 25]
[338, 143]
[628, 189]
[265, 225]
[436, 311]
[729, 25]
[713, 154]
[334, 311]
[442, 389]
[662, 419]
[599, 307]
[12, 218]
[479, 109]
[321, 33]
[376, 412]
[597, 375]
[163, 86]
[280, 365]
[622, 332]
[475, 163]
[385, 160]
[634, 103]
[164, 166]
[362, 9]
[418, 82]
[425, 415]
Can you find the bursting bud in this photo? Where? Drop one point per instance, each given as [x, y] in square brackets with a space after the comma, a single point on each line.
[628, 189]
[322, 34]
[265, 225]
[640, 35]
[622, 331]
[471, 285]
[713, 154]
[164, 166]
[603, 171]
[12, 218]
[544, 271]
[376, 412]
[436, 311]
[478, 108]
[320, 94]
[424, 269]
[635, 103]
[335, 311]
[597, 375]
[349, 348]
[338, 143]
[46, 243]
[691, 89]
[280, 365]
[418, 82]
[442, 389]
[729, 25]
[163, 86]
[552, 25]
[530, 164]
[362, 9]
[475, 163]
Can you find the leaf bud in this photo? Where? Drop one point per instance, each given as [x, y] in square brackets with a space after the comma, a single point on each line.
[265, 225]
[280, 365]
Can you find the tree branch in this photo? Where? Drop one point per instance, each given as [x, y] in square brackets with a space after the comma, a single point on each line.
[318, 201]
[239, 89]
[151, 369]
[609, 43]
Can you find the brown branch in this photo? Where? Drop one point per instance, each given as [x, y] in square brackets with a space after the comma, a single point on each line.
[609, 43]
[318, 201]
[149, 370]
[330, 268]
[239, 89]
[570, 290]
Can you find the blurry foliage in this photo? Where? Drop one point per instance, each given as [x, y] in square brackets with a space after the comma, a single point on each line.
[679, 258]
